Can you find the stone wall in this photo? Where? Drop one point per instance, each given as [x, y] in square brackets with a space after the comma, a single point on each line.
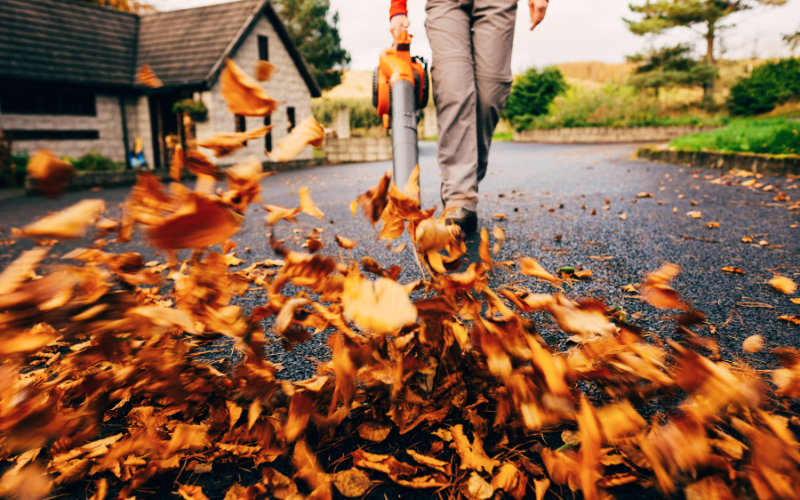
[358, 149]
[757, 163]
[592, 135]
[286, 86]
[108, 123]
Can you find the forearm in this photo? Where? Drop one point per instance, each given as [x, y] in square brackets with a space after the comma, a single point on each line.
[398, 8]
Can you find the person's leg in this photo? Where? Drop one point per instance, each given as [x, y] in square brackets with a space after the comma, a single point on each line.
[453, 73]
[493, 38]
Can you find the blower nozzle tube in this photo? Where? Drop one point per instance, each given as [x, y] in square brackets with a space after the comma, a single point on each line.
[404, 132]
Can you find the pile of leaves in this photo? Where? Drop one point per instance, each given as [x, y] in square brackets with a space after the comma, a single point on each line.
[106, 340]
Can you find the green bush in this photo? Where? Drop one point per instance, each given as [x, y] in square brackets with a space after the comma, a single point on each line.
[93, 161]
[670, 67]
[533, 92]
[768, 85]
[614, 105]
[197, 110]
[363, 114]
[766, 136]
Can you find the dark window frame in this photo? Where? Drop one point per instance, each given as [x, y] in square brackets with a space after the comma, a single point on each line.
[240, 125]
[291, 119]
[263, 48]
[268, 137]
[51, 100]
[52, 135]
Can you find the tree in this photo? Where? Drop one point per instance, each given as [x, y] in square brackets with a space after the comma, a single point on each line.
[533, 92]
[670, 67]
[663, 15]
[317, 37]
[793, 40]
[767, 86]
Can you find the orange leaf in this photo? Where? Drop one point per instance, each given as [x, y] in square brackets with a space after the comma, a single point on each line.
[70, 223]
[307, 204]
[148, 78]
[264, 70]
[244, 94]
[48, 174]
[202, 221]
[783, 284]
[530, 267]
[226, 143]
[307, 132]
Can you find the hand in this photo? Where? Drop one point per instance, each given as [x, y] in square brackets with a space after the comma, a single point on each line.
[400, 23]
[538, 9]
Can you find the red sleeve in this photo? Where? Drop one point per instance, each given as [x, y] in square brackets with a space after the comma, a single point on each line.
[398, 7]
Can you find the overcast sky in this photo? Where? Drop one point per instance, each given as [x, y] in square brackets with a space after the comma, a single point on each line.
[574, 30]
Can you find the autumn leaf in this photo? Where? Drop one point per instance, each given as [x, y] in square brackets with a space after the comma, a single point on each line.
[70, 223]
[352, 483]
[411, 188]
[483, 249]
[21, 269]
[148, 78]
[277, 212]
[381, 306]
[694, 215]
[307, 205]
[345, 243]
[753, 343]
[200, 222]
[500, 237]
[224, 144]
[783, 284]
[307, 132]
[530, 267]
[245, 96]
[374, 432]
[49, 175]
[476, 488]
[472, 455]
[732, 269]
[264, 70]
[189, 492]
[656, 290]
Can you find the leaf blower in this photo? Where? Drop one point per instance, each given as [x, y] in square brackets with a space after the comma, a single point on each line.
[399, 89]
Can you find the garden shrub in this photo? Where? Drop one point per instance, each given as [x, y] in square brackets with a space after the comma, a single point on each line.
[533, 92]
[363, 114]
[766, 87]
[93, 161]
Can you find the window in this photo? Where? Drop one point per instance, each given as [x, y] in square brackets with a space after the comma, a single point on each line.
[263, 48]
[268, 137]
[52, 135]
[46, 100]
[290, 118]
[241, 125]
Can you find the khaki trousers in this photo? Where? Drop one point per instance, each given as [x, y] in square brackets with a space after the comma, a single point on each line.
[471, 71]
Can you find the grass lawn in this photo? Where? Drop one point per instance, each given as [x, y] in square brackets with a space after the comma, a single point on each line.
[777, 136]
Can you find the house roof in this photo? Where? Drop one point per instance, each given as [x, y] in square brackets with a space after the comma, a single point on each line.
[57, 41]
[62, 41]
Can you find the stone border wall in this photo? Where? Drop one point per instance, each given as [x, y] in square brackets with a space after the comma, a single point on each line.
[600, 135]
[358, 149]
[84, 181]
[763, 164]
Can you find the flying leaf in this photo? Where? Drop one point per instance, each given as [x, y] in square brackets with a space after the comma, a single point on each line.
[70, 223]
[657, 292]
[226, 143]
[307, 205]
[753, 343]
[483, 249]
[500, 236]
[307, 132]
[21, 270]
[530, 267]
[412, 186]
[48, 174]
[345, 243]
[148, 78]
[382, 306]
[783, 284]
[245, 96]
[277, 212]
[190, 492]
[264, 70]
[200, 222]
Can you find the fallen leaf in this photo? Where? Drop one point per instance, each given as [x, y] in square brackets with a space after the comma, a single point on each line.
[352, 483]
[712, 225]
[791, 319]
[732, 269]
[747, 239]
[472, 455]
[530, 267]
[372, 431]
[190, 492]
[476, 488]
[499, 217]
[381, 306]
[623, 216]
[694, 215]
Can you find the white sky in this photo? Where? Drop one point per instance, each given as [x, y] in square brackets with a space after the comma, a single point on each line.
[574, 30]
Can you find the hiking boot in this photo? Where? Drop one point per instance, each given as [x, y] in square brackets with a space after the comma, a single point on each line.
[467, 220]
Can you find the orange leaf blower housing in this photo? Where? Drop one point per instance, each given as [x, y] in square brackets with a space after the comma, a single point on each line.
[399, 89]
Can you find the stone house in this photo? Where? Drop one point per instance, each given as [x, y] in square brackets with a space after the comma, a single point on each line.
[68, 75]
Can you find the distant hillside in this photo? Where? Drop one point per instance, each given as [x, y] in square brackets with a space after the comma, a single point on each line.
[355, 85]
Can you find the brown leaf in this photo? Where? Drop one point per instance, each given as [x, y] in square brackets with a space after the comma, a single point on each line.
[190, 492]
[753, 343]
[507, 479]
[264, 71]
[243, 93]
[381, 306]
[200, 222]
[732, 269]
[352, 483]
[21, 269]
[224, 144]
[372, 431]
[500, 236]
[70, 223]
[307, 204]
[307, 132]
[783, 284]
[476, 488]
[148, 78]
[383, 463]
[277, 212]
[49, 175]
[709, 488]
[431, 462]
[530, 267]
[472, 456]
[345, 243]
[791, 319]
[694, 214]
[657, 292]
[412, 186]
[32, 482]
